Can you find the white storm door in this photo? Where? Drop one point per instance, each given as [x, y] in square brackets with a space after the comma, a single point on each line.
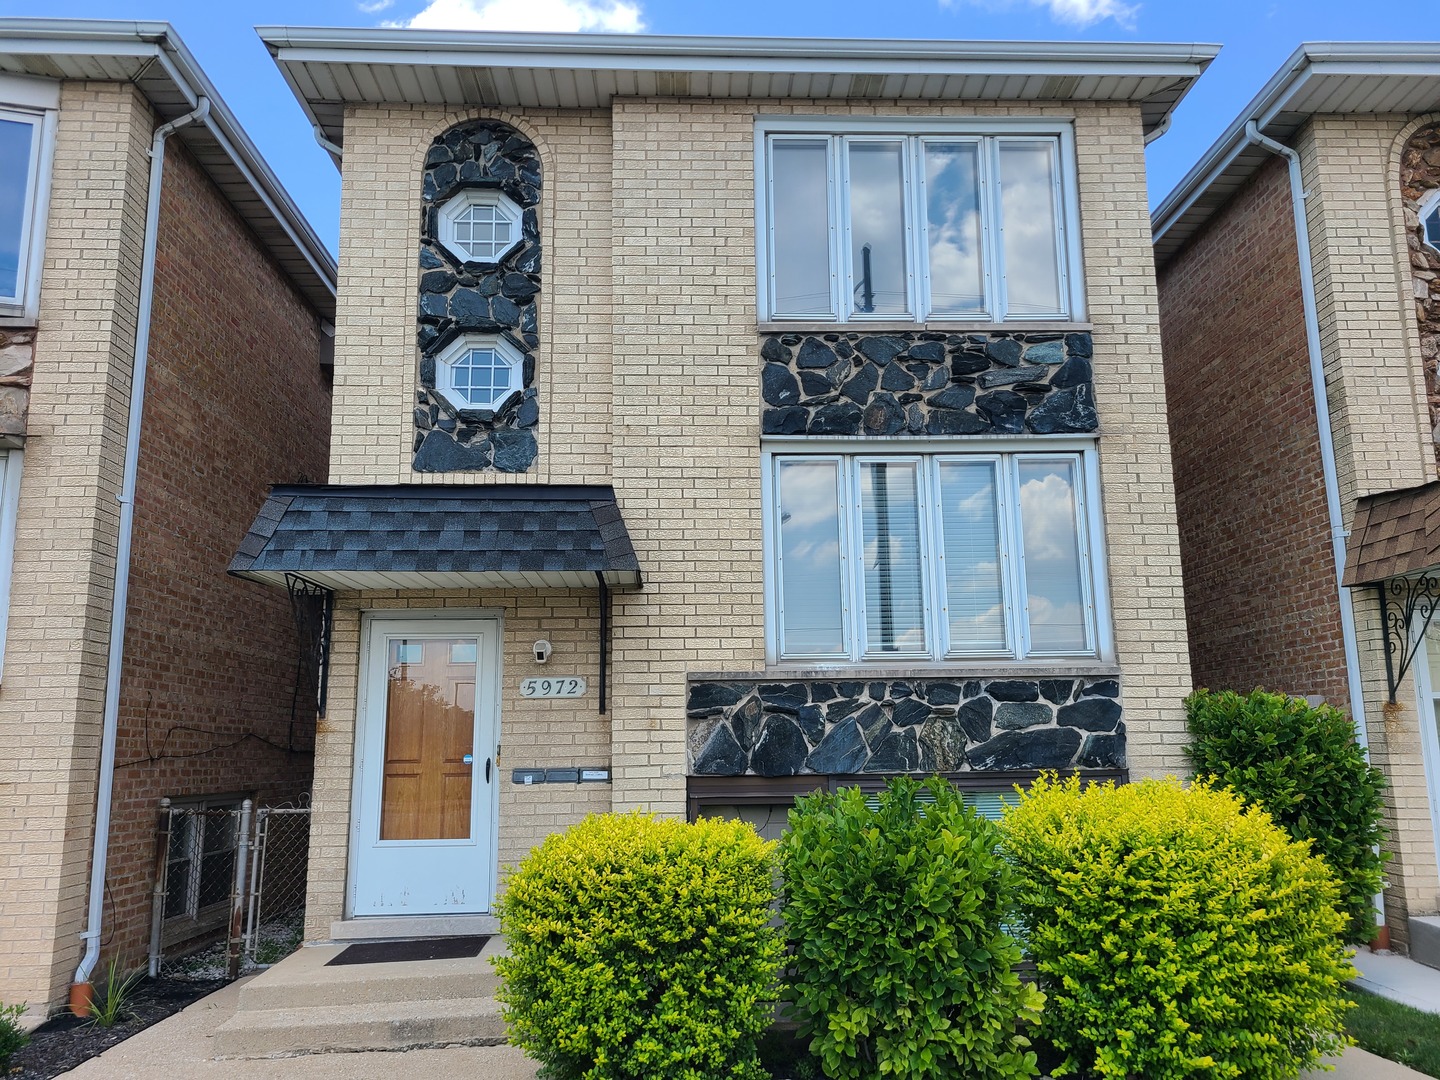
[426, 779]
[1427, 680]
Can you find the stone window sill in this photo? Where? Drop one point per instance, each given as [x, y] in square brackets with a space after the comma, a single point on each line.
[891, 327]
[968, 670]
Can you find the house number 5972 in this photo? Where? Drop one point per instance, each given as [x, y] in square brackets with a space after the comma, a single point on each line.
[559, 686]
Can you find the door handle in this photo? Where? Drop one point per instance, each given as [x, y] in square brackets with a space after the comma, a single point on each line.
[487, 770]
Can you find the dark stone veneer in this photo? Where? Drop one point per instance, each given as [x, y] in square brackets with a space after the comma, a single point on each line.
[459, 297]
[846, 726]
[927, 383]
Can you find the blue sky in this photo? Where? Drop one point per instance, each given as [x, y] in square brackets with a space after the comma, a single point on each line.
[1257, 35]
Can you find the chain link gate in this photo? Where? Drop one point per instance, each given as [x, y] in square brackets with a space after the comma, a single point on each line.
[229, 887]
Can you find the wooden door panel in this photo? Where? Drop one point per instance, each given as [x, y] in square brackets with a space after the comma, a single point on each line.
[429, 729]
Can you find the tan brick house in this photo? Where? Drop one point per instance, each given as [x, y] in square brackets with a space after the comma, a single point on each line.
[1297, 264]
[716, 419]
[163, 317]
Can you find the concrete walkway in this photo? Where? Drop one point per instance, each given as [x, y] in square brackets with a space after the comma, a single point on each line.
[1399, 978]
[181, 1046]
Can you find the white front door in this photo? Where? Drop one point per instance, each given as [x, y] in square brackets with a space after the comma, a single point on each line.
[425, 773]
[1427, 679]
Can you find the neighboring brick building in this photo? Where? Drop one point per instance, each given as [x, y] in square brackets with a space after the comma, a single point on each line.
[1264, 599]
[236, 398]
[558, 305]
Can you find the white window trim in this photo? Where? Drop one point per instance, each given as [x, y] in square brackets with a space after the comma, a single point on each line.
[445, 371]
[458, 203]
[1093, 560]
[841, 129]
[24, 309]
[11, 462]
[1425, 207]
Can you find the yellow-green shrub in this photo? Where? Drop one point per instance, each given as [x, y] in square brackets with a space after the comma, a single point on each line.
[641, 948]
[900, 966]
[1177, 933]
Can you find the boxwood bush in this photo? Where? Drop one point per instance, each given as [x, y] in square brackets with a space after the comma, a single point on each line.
[900, 966]
[1177, 932]
[1301, 763]
[642, 948]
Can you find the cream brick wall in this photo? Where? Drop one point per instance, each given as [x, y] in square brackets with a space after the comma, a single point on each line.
[375, 355]
[649, 348]
[560, 733]
[1370, 348]
[54, 676]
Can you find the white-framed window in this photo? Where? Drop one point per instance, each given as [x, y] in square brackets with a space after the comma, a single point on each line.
[933, 556]
[878, 221]
[200, 859]
[25, 145]
[1429, 210]
[479, 371]
[480, 225]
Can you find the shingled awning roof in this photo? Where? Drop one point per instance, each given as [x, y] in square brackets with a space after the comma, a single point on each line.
[432, 537]
[1395, 534]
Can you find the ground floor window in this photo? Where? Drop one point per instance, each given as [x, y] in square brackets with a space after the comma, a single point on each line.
[880, 557]
[200, 859]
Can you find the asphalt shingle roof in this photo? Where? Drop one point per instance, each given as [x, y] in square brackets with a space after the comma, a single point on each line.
[1395, 533]
[499, 529]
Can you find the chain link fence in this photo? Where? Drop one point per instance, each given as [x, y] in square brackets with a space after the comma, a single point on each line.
[229, 887]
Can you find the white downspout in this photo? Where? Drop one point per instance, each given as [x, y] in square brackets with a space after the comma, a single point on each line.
[1338, 531]
[111, 717]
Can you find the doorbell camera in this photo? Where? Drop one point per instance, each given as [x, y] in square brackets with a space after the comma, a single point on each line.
[542, 651]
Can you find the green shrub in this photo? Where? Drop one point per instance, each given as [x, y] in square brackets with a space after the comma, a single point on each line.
[13, 1038]
[900, 966]
[1302, 764]
[642, 948]
[1177, 932]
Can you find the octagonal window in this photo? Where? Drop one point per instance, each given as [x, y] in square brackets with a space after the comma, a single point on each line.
[480, 225]
[479, 372]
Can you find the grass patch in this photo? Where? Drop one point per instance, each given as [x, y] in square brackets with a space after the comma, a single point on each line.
[1395, 1031]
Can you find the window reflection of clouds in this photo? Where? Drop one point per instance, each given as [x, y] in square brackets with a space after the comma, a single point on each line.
[1052, 556]
[1027, 192]
[15, 140]
[810, 558]
[952, 199]
[802, 227]
[877, 218]
[894, 597]
[970, 520]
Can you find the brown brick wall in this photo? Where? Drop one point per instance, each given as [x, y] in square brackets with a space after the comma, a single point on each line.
[1259, 582]
[235, 401]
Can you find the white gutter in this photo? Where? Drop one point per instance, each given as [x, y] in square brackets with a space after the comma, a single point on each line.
[1338, 532]
[110, 720]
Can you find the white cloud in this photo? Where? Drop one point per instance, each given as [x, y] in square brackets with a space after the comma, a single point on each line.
[370, 7]
[557, 16]
[1079, 13]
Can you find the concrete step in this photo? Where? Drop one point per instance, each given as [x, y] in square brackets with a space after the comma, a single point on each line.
[409, 927]
[405, 1025]
[303, 980]
[1425, 939]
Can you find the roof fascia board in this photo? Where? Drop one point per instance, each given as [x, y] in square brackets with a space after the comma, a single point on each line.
[740, 54]
[158, 42]
[1310, 61]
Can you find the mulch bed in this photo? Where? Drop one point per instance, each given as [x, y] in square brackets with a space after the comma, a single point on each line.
[60, 1044]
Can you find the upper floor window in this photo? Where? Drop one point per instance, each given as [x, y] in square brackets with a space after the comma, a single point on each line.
[893, 557]
[1430, 219]
[20, 139]
[477, 372]
[480, 225]
[948, 224]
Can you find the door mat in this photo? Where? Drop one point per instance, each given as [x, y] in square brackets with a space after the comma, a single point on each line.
[403, 952]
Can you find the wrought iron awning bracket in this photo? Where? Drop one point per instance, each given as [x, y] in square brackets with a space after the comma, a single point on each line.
[604, 635]
[1407, 605]
[302, 590]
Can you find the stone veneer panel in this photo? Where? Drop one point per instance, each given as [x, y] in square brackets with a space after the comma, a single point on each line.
[17, 361]
[927, 383]
[845, 726]
[460, 297]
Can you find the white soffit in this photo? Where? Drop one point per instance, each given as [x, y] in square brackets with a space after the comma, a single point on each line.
[330, 68]
[1346, 78]
[152, 57]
